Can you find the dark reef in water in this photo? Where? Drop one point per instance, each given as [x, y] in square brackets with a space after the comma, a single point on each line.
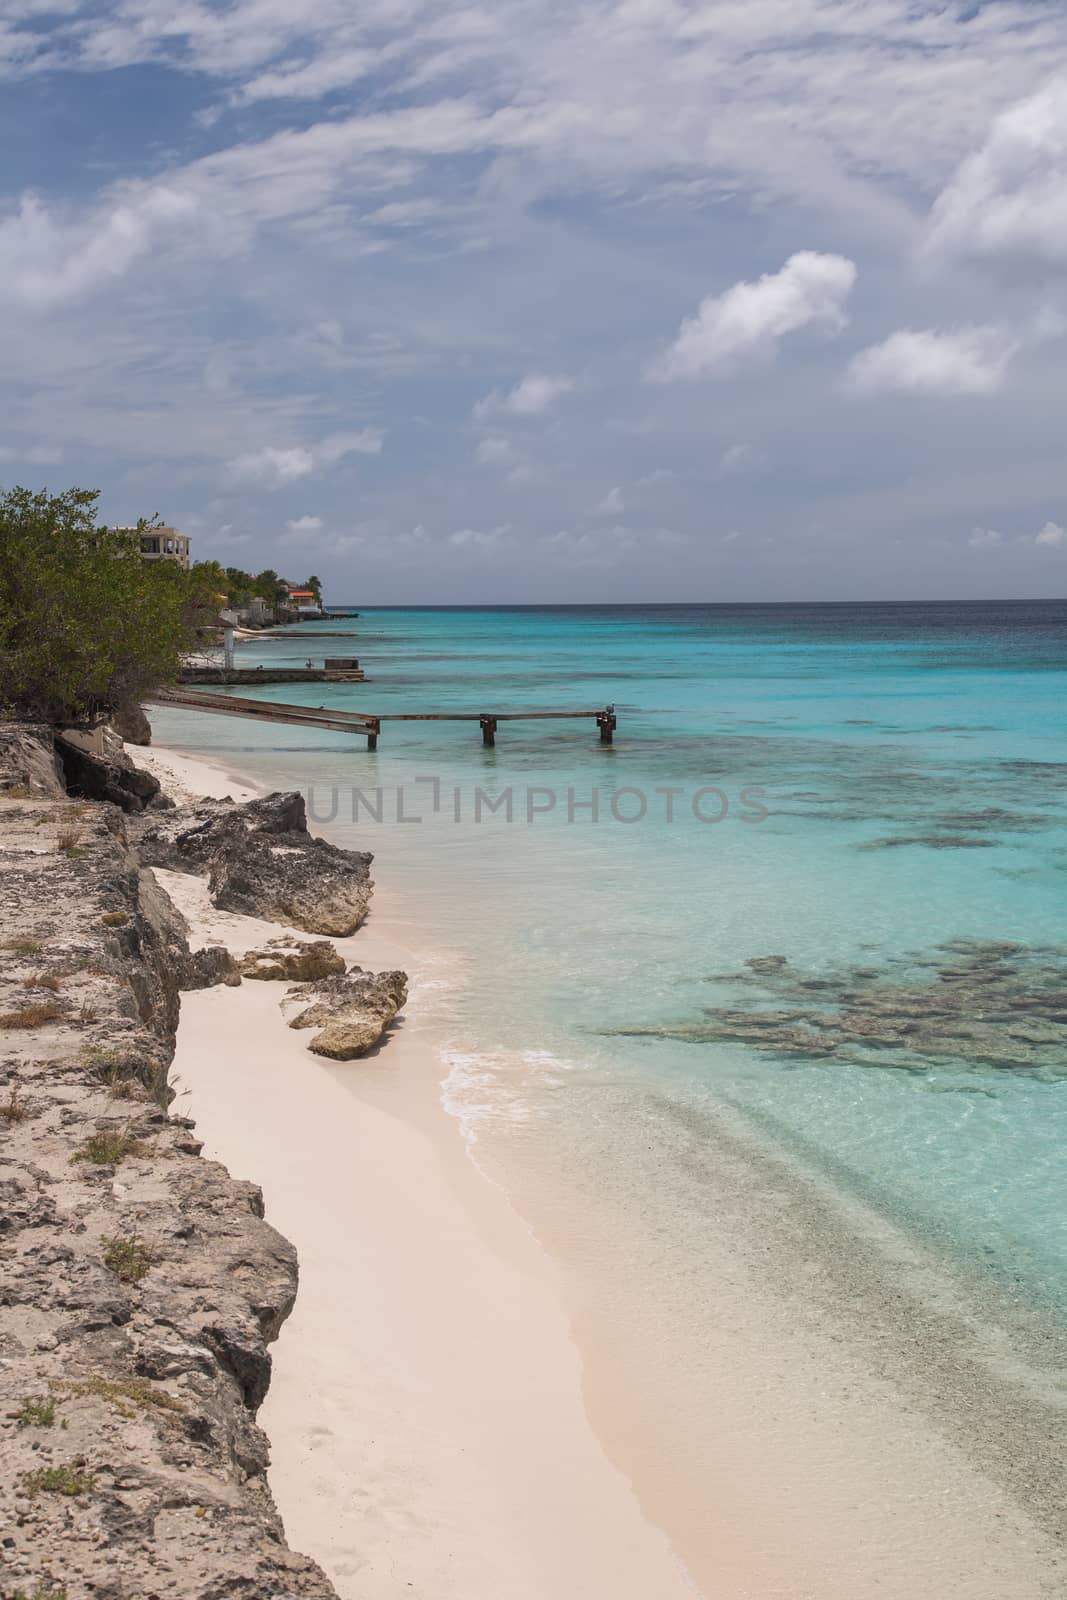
[928, 841]
[969, 1003]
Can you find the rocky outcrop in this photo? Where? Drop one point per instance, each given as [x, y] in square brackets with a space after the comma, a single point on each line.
[293, 961]
[29, 765]
[209, 965]
[141, 1284]
[351, 1013]
[260, 860]
[96, 767]
[131, 724]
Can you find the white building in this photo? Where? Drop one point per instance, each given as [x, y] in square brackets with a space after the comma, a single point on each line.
[166, 544]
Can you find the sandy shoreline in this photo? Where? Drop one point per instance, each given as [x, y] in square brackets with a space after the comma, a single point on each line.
[458, 1410]
[428, 1429]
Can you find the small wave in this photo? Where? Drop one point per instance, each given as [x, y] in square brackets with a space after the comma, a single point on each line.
[499, 1087]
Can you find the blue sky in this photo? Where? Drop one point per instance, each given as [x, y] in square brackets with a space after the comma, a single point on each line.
[548, 299]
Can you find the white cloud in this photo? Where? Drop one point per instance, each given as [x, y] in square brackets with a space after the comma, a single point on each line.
[367, 442]
[656, 476]
[750, 319]
[37, 455]
[272, 468]
[531, 397]
[741, 461]
[314, 78]
[485, 540]
[612, 505]
[1051, 536]
[47, 260]
[962, 361]
[305, 524]
[496, 453]
[1009, 198]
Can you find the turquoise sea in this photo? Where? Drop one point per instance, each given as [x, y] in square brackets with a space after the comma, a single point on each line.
[869, 802]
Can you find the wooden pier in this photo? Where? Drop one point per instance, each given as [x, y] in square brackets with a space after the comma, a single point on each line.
[362, 723]
[335, 669]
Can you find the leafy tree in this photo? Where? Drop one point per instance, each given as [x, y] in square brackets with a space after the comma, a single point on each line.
[85, 624]
[239, 586]
[315, 585]
[269, 587]
[209, 585]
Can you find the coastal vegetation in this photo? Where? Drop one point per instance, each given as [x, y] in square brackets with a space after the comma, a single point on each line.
[214, 586]
[69, 1479]
[108, 1146]
[128, 1256]
[36, 1412]
[31, 1016]
[86, 625]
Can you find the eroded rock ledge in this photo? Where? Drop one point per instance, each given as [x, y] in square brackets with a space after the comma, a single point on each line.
[260, 860]
[139, 1283]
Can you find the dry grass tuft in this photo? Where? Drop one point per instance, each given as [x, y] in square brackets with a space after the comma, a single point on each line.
[114, 919]
[14, 1108]
[116, 1071]
[108, 1146]
[128, 1256]
[127, 1395]
[31, 1016]
[43, 980]
[70, 1479]
[22, 946]
[68, 841]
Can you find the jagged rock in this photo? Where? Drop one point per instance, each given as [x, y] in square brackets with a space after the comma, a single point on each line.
[351, 1012]
[293, 962]
[260, 860]
[29, 766]
[131, 724]
[211, 965]
[110, 775]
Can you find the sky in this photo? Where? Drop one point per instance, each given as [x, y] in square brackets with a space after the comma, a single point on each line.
[548, 300]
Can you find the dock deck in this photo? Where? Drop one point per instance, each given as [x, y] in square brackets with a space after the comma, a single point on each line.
[362, 723]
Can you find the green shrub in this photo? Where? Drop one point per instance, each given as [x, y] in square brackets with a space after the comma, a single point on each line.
[85, 624]
[69, 1479]
[108, 1146]
[36, 1412]
[128, 1256]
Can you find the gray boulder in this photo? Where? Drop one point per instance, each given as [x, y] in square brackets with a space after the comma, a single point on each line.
[131, 724]
[109, 775]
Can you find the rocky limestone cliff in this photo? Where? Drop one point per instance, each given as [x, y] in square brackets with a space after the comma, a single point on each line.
[139, 1283]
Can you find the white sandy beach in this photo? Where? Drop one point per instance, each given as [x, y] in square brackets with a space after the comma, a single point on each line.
[426, 1415]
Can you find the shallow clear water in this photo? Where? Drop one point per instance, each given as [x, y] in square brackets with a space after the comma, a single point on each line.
[912, 763]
